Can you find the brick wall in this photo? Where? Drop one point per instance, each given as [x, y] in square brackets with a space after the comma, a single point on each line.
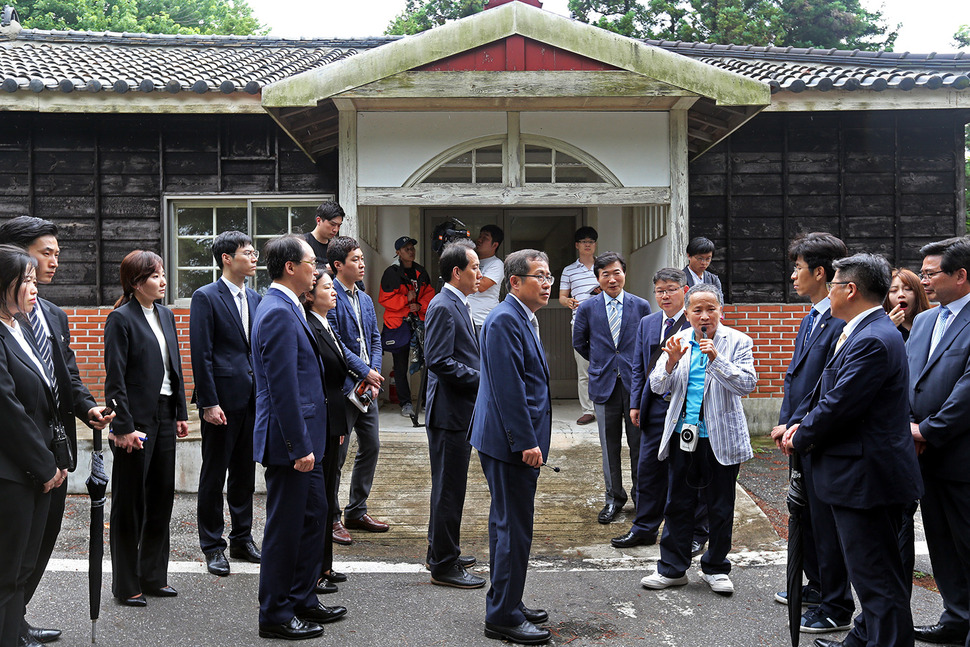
[773, 328]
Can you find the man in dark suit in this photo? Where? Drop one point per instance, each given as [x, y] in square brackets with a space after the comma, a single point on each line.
[828, 582]
[355, 322]
[511, 429]
[649, 410]
[605, 334]
[39, 238]
[939, 380]
[289, 439]
[220, 320]
[700, 253]
[453, 359]
[857, 432]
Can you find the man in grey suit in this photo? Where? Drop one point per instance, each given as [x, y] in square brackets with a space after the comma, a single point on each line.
[938, 351]
[707, 369]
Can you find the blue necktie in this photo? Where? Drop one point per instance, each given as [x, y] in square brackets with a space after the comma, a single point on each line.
[812, 315]
[44, 350]
[668, 324]
[615, 316]
[940, 329]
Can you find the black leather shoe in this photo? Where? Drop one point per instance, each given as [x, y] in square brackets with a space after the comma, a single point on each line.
[26, 640]
[164, 592]
[216, 562]
[631, 539]
[697, 548]
[524, 634]
[321, 614]
[535, 616]
[940, 634]
[324, 586]
[459, 578]
[246, 552]
[609, 512]
[42, 635]
[295, 629]
[335, 577]
[825, 642]
[134, 601]
[466, 561]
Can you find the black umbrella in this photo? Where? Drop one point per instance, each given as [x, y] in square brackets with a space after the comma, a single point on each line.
[797, 503]
[97, 486]
[416, 360]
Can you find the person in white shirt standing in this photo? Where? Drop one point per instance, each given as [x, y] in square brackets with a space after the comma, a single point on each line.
[493, 272]
[578, 283]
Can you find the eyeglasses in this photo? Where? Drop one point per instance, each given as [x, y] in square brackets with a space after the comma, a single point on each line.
[544, 279]
[587, 241]
[313, 262]
[829, 284]
[251, 253]
[926, 276]
[670, 291]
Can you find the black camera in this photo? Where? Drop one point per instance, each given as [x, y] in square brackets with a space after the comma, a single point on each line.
[688, 438]
[448, 232]
[61, 447]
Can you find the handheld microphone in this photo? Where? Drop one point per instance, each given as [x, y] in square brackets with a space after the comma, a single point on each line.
[703, 332]
[552, 467]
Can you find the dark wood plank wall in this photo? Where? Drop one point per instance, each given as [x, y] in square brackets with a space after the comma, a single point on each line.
[101, 179]
[884, 181]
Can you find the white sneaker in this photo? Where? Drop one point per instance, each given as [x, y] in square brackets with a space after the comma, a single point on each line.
[719, 583]
[407, 410]
[657, 581]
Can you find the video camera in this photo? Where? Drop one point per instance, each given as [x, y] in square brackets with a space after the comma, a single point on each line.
[448, 232]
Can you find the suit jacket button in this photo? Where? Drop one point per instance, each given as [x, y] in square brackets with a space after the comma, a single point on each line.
[918, 390]
[250, 372]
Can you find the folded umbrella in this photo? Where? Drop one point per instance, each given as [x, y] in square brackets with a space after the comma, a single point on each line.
[797, 504]
[97, 484]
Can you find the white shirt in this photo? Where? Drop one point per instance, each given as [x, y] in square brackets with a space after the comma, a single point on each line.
[18, 334]
[579, 281]
[482, 302]
[531, 316]
[821, 308]
[290, 293]
[856, 320]
[697, 279]
[43, 318]
[957, 305]
[234, 290]
[458, 293]
[156, 325]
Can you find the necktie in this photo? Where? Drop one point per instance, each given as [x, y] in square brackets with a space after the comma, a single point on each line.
[615, 316]
[668, 326]
[244, 311]
[535, 328]
[44, 349]
[940, 330]
[841, 340]
[812, 316]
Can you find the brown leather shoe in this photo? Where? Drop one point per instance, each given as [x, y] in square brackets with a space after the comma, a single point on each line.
[340, 534]
[585, 419]
[368, 523]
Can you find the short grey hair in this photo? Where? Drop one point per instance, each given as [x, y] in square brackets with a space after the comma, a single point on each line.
[517, 263]
[670, 274]
[705, 288]
[871, 274]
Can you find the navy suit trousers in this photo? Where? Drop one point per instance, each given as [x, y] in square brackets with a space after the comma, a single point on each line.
[612, 418]
[450, 453]
[510, 520]
[824, 562]
[946, 518]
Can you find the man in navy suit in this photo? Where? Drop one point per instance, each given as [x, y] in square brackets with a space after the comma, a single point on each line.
[939, 393]
[857, 432]
[605, 334]
[649, 410]
[39, 238]
[828, 582]
[220, 320]
[355, 323]
[289, 439]
[453, 374]
[511, 429]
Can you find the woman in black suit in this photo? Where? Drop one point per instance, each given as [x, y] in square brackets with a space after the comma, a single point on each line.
[144, 386]
[27, 468]
[318, 302]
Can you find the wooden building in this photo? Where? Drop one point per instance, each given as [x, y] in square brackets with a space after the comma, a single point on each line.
[514, 116]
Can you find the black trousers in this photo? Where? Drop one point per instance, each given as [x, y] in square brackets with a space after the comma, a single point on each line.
[612, 419]
[227, 448]
[52, 528]
[824, 561]
[697, 476]
[23, 509]
[331, 470]
[450, 453]
[142, 495]
[946, 518]
[402, 359]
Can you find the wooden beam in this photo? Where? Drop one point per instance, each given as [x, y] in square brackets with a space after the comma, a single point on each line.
[523, 104]
[916, 99]
[132, 102]
[532, 195]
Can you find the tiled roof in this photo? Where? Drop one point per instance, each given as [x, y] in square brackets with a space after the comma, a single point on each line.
[39, 60]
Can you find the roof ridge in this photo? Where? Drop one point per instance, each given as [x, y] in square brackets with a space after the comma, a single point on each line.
[134, 38]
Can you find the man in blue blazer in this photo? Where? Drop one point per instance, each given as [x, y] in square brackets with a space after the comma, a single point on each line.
[511, 429]
[939, 395]
[220, 320]
[828, 582]
[355, 323]
[857, 432]
[453, 360]
[605, 334]
[289, 439]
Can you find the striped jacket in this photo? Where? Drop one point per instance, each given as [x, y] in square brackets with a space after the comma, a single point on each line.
[729, 378]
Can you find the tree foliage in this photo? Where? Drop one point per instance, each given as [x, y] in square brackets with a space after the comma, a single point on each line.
[422, 15]
[962, 37]
[148, 16]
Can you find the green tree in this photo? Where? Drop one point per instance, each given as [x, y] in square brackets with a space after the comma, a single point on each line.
[422, 15]
[148, 16]
[962, 37]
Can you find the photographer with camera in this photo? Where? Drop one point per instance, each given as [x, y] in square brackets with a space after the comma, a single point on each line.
[707, 369]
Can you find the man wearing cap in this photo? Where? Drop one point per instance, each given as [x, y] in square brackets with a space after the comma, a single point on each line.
[405, 294]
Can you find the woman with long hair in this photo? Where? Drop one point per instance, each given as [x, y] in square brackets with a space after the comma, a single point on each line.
[906, 299]
[144, 386]
[28, 471]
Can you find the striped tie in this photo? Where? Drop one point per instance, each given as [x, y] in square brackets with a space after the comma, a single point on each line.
[940, 329]
[44, 348]
[615, 318]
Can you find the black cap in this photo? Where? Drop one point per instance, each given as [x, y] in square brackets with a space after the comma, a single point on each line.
[402, 241]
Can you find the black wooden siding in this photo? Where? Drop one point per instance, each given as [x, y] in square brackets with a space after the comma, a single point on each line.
[101, 179]
[885, 182]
